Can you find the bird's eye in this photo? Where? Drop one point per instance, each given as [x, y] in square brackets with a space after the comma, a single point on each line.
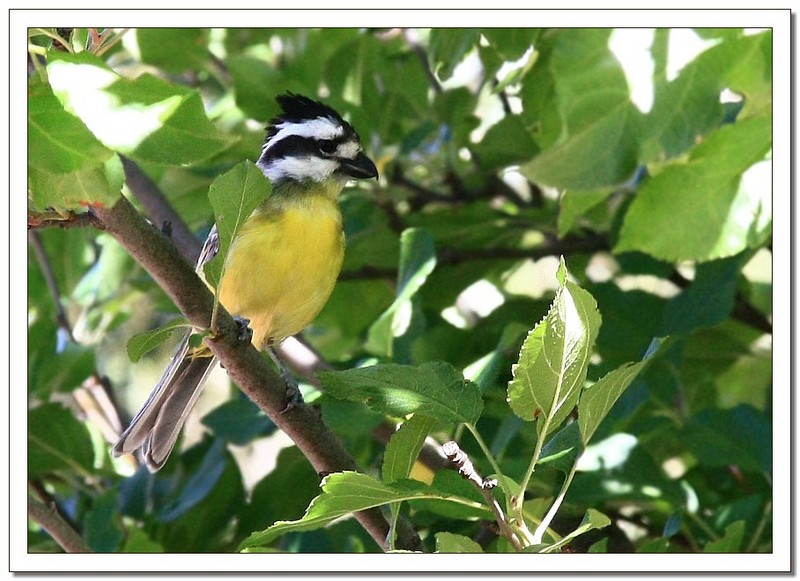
[326, 146]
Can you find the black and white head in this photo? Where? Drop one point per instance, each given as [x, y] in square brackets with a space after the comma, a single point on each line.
[310, 142]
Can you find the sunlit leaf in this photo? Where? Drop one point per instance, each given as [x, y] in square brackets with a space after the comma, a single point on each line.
[554, 359]
[433, 389]
[452, 543]
[344, 493]
[696, 210]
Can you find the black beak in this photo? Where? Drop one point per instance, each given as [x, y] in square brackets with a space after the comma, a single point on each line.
[359, 168]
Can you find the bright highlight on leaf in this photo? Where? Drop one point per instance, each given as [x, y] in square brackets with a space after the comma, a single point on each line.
[344, 493]
[417, 261]
[555, 357]
[146, 118]
[433, 389]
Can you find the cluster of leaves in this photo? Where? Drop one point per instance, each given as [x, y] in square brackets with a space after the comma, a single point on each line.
[663, 218]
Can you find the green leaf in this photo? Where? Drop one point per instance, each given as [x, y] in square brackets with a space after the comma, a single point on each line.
[562, 450]
[254, 82]
[100, 185]
[510, 43]
[238, 421]
[447, 47]
[282, 494]
[452, 543]
[554, 358]
[574, 204]
[142, 343]
[448, 483]
[660, 545]
[596, 401]
[101, 525]
[57, 442]
[740, 436]
[750, 73]
[708, 300]
[173, 49]
[58, 141]
[198, 486]
[697, 210]
[593, 519]
[344, 493]
[434, 389]
[404, 446]
[146, 118]
[234, 196]
[137, 541]
[506, 142]
[417, 261]
[730, 542]
[63, 370]
[584, 120]
[688, 106]
[68, 168]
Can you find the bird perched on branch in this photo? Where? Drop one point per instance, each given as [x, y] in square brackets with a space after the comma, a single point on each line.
[281, 266]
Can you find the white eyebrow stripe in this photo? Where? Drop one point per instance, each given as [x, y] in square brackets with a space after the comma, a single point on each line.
[319, 128]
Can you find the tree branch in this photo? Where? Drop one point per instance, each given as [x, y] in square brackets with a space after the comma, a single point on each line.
[245, 365]
[51, 521]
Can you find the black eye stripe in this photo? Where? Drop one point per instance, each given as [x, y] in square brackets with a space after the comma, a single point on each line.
[299, 146]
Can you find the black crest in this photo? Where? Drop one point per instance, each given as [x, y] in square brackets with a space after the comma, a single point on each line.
[298, 108]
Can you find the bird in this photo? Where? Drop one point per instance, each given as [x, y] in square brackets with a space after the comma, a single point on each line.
[281, 266]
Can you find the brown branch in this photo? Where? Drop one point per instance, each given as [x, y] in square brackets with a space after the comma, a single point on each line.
[59, 529]
[244, 364]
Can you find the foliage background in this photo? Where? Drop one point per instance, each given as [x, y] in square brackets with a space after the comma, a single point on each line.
[508, 148]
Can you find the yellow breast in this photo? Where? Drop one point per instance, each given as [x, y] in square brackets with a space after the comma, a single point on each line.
[283, 265]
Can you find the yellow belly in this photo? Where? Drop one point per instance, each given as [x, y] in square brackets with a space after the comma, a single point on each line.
[283, 265]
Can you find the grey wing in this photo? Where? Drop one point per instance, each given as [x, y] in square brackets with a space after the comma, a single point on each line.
[209, 250]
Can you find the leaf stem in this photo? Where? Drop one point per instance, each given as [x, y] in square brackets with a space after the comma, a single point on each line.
[486, 452]
[538, 534]
[537, 452]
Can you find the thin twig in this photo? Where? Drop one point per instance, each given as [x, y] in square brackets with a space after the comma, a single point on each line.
[466, 469]
[422, 54]
[41, 220]
[52, 285]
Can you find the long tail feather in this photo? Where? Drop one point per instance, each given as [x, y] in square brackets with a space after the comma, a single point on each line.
[157, 425]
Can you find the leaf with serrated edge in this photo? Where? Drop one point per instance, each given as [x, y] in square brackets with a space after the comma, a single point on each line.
[597, 400]
[553, 361]
[347, 492]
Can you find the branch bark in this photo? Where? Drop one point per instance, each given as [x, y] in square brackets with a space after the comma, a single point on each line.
[50, 520]
[245, 365]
